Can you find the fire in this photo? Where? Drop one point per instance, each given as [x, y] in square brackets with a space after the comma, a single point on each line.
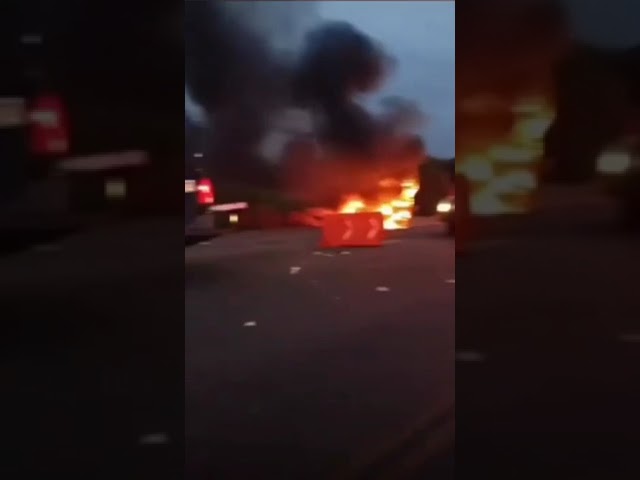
[504, 176]
[396, 209]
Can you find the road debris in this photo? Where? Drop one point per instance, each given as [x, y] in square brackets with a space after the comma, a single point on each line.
[159, 438]
[382, 289]
[294, 270]
[323, 254]
[249, 324]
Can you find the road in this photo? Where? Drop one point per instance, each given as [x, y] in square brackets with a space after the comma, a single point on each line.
[309, 364]
[91, 361]
[335, 373]
[548, 346]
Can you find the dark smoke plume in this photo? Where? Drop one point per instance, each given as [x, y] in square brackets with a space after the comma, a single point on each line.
[231, 71]
[338, 63]
[235, 70]
[225, 62]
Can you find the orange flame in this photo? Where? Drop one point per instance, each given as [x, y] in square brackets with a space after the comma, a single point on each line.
[397, 210]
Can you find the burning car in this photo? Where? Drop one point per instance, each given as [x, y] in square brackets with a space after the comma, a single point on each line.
[394, 200]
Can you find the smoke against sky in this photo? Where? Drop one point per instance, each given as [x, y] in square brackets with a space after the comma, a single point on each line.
[337, 64]
[237, 61]
[420, 35]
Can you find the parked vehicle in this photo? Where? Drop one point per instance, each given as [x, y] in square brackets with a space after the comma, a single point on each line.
[619, 167]
[199, 190]
[446, 210]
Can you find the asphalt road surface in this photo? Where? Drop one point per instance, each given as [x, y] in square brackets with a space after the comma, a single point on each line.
[91, 361]
[298, 365]
[317, 365]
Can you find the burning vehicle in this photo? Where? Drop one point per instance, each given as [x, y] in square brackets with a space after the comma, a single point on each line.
[394, 200]
[349, 161]
[295, 117]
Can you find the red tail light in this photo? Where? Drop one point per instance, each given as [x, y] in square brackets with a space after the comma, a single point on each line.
[49, 128]
[206, 194]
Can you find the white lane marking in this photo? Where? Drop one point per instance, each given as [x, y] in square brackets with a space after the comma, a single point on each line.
[345, 253]
[470, 356]
[294, 270]
[159, 438]
[629, 337]
[249, 324]
[382, 289]
[451, 280]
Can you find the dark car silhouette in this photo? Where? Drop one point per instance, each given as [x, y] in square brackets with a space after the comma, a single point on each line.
[199, 191]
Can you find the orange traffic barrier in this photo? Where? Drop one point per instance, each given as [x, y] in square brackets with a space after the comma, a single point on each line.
[353, 230]
[463, 214]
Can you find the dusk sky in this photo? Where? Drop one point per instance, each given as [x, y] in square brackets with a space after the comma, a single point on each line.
[421, 37]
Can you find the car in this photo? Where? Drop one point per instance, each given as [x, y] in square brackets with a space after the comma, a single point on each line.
[446, 210]
[199, 190]
[203, 214]
[619, 168]
[199, 195]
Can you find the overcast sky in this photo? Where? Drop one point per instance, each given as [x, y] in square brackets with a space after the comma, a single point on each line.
[421, 37]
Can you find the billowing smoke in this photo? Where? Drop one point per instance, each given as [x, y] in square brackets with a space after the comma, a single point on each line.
[246, 61]
[339, 63]
[337, 66]
[231, 71]
[224, 60]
